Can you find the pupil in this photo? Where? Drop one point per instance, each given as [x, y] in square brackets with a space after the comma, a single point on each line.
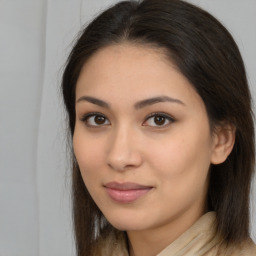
[159, 120]
[99, 120]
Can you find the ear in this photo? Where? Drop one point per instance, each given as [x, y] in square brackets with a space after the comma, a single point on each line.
[223, 142]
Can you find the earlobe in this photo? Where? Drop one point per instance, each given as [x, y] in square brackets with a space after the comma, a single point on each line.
[223, 143]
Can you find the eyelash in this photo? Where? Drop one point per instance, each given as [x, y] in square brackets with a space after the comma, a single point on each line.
[166, 117]
[161, 115]
[86, 117]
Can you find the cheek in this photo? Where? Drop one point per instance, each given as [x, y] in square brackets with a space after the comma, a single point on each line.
[86, 150]
[90, 160]
[182, 161]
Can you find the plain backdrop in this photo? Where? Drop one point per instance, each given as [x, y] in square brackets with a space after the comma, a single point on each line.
[35, 39]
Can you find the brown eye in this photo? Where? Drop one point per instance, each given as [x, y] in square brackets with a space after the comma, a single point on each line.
[95, 120]
[99, 120]
[158, 120]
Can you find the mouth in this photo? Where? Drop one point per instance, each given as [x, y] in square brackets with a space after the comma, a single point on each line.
[127, 192]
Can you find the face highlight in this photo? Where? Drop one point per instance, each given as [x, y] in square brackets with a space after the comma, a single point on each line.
[142, 139]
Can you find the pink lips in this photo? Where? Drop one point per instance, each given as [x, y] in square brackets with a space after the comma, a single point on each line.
[126, 192]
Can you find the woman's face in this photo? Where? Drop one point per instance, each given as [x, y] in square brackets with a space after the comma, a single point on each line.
[142, 139]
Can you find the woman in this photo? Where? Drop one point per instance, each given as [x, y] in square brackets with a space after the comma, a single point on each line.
[163, 140]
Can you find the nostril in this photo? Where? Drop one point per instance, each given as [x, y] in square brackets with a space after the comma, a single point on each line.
[123, 162]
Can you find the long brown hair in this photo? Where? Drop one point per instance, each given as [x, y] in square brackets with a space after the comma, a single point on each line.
[206, 54]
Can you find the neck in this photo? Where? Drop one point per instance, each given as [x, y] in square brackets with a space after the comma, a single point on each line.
[152, 241]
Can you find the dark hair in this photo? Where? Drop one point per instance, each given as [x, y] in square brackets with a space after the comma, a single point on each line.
[206, 54]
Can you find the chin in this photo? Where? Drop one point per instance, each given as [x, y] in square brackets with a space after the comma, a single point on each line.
[125, 224]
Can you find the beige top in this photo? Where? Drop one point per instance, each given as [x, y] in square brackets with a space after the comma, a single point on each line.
[199, 240]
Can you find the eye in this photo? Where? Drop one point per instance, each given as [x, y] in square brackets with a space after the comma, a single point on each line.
[95, 119]
[158, 120]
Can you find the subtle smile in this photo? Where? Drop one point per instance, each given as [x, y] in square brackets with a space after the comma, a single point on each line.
[126, 192]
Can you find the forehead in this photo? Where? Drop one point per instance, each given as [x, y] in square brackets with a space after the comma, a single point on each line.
[127, 70]
[125, 57]
[137, 50]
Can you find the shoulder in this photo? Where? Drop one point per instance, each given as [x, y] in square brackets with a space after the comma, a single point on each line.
[246, 248]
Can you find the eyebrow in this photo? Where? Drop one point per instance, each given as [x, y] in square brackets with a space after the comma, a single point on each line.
[138, 105]
[93, 100]
[151, 101]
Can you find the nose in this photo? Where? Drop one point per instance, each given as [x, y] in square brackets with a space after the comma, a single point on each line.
[124, 153]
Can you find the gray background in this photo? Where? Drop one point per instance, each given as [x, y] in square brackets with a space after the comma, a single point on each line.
[35, 38]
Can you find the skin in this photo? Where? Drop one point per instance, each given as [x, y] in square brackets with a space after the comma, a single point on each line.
[125, 144]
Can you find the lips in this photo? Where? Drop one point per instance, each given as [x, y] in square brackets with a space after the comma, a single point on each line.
[126, 192]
